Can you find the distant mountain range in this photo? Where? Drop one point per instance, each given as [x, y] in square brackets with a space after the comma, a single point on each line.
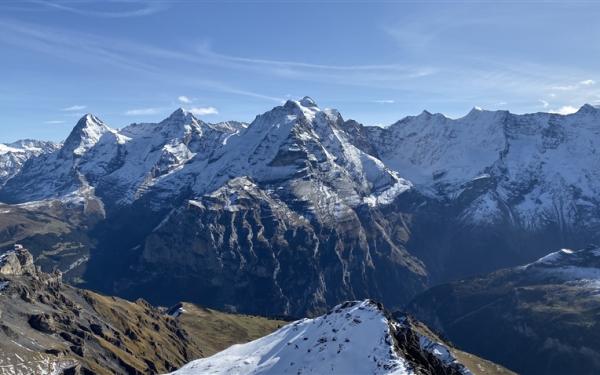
[14, 155]
[540, 318]
[301, 209]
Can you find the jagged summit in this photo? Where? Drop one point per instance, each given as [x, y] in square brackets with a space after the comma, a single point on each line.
[86, 133]
[307, 101]
[588, 109]
[179, 115]
[478, 113]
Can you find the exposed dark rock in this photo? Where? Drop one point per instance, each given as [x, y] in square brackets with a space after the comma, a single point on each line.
[43, 322]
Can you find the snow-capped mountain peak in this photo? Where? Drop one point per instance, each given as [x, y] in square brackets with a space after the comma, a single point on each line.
[14, 155]
[307, 101]
[305, 107]
[180, 115]
[86, 133]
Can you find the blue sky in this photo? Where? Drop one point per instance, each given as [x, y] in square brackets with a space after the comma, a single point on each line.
[376, 61]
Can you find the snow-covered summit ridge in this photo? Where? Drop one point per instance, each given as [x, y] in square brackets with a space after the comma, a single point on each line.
[14, 155]
[87, 132]
[531, 163]
[353, 338]
[27, 146]
[589, 257]
[579, 268]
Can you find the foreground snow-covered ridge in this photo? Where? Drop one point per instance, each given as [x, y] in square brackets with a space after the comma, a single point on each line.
[354, 338]
[350, 340]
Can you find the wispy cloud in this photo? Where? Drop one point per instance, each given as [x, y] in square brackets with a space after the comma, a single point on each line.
[565, 87]
[203, 111]
[545, 104]
[142, 111]
[184, 99]
[361, 75]
[384, 101]
[54, 122]
[132, 56]
[115, 9]
[571, 87]
[565, 110]
[74, 108]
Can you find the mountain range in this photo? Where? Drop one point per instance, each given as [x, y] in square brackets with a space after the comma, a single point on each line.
[538, 318]
[301, 209]
[50, 327]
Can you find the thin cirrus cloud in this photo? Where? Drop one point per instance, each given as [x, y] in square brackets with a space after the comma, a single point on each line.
[142, 111]
[116, 9]
[544, 103]
[578, 85]
[54, 122]
[74, 108]
[118, 53]
[526, 81]
[184, 99]
[203, 111]
[384, 101]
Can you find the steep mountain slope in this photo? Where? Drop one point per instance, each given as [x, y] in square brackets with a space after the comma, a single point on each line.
[538, 318]
[247, 247]
[56, 232]
[354, 338]
[293, 225]
[47, 326]
[511, 184]
[14, 155]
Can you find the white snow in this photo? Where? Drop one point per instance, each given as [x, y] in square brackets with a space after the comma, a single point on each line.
[441, 352]
[350, 340]
[14, 155]
[535, 168]
[4, 149]
[544, 162]
[91, 131]
[579, 268]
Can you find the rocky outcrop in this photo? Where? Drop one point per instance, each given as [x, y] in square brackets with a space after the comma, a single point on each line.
[17, 262]
[47, 326]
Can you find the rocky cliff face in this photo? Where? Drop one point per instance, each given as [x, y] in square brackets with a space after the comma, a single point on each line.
[247, 247]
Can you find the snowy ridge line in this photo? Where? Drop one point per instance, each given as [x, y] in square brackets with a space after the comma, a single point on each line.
[524, 169]
[356, 337]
